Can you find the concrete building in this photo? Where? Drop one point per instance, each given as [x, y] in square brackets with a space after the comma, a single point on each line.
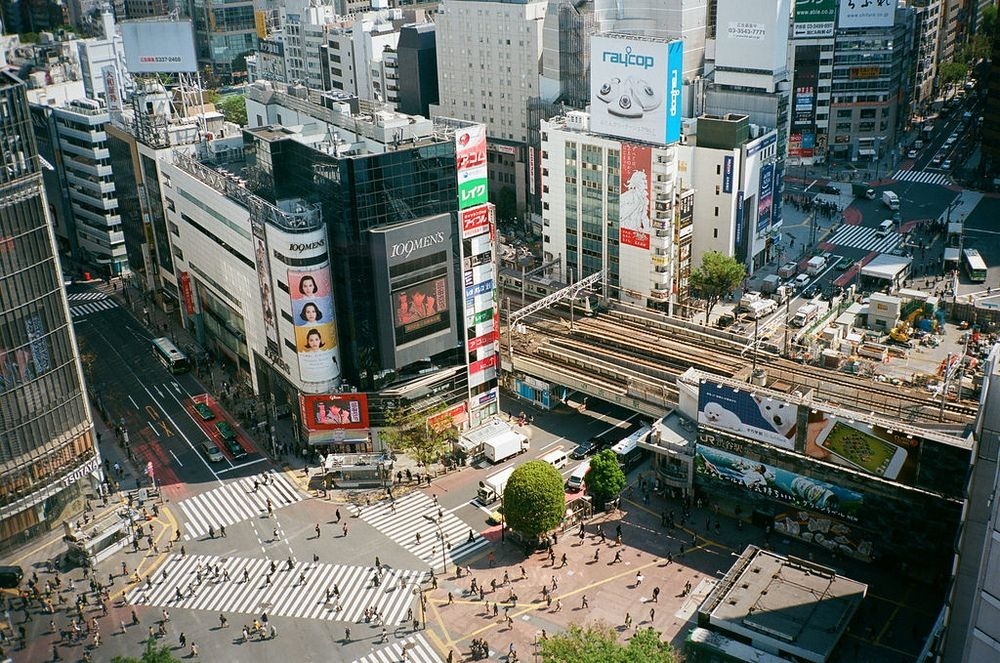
[734, 170]
[488, 59]
[786, 607]
[415, 68]
[304, 30]
[48, 455]
[352, 60]
[84, 174]
[224, 33]
[100, 54]
[927, 29]
[749, 74]
[589, 182]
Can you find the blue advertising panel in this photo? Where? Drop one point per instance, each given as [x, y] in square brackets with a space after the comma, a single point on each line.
[745, 413]
[779, 192]
[675, 83]
[765, 196]
[727, 174]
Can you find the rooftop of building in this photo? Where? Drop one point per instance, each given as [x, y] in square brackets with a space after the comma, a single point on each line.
[790, 601]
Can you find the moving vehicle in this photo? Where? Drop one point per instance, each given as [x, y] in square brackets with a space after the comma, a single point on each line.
[890, 200]
[761, 308]
[173, 359]
[576, 480]
[770, 284]
[505, 446]
[556, 459]
[862, 190]
[974, 265]
[912, 153]
[235, 449]
[815, 265]
[788, 270]
[628, 450]
[10, 576]
[607, 439]
[749, 299]
[806, 314]
[830, 188]
[225, 431]
[802, 280]
[491, 488]
[212, 452]
[936, 161]
[946, 164]
[811, 291]
[885, 228]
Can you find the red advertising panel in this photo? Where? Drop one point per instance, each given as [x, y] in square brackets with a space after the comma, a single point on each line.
[475, 221]
[482, 365]
[453, 416]
[334, 411]
[633, 203]
[186, 293]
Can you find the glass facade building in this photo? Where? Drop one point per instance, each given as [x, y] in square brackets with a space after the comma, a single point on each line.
[47, 450]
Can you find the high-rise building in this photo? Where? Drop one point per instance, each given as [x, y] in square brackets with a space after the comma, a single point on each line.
[48, 457]
[488, 58]
[415, 69]
[224, 33]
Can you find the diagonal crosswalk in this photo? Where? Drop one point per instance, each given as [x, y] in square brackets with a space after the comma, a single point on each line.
[288, 594]
[235, 501]
[90, 304]
[863, 237]
[417, 649]
[922, 177]
[416, 513]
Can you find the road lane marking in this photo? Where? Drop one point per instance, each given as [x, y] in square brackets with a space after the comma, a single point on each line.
[175, 457]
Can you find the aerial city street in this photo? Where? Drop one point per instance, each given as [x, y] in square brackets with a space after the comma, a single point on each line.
[509, 330]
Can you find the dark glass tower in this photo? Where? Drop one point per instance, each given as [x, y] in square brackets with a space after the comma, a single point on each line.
[47, 451]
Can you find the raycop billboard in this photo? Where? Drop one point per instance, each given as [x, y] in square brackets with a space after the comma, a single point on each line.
[153, 47]
[635, 90]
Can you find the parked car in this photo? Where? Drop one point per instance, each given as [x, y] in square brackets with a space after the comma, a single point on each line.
[830, 188]
[204, 411]
[912, 154]
[235, 449]
[226, 431]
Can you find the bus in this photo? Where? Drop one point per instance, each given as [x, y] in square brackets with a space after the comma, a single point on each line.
[629, 452]
[168, 354]
[975, 266]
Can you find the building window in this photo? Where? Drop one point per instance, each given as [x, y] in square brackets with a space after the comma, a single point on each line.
[715, 232]
[716, 211]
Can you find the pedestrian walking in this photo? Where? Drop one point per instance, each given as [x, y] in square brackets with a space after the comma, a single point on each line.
[628, 620]
[618, 557]
[583, 602]
[345, 529]
[638, 578]
[338, 515]
[317, 530]
[652, 613]
[656, 594]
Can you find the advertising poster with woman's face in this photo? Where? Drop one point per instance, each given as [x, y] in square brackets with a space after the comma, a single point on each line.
[315, 328]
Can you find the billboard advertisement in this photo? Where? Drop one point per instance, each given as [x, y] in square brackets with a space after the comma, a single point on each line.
[420, 309]
[777, 483]
[814, 18]
[313, 321]
[727, 174]
[112, 94]
[765, 197]
[634, 204]
[866, 13]
[636, 87]
[745, 413]
[262, 263]
[470, 162]
[334, 411]
[802, 135]
[159, 47]
[476, 220]
[779, 193]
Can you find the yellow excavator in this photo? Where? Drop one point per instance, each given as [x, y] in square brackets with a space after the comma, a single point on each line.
[901, 332]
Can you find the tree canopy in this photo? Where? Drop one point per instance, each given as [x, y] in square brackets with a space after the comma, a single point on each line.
[605, 480]
[715, 277]
[154, 653]
[408, 432]
[234, 108]
[534, 501]
[598, 643]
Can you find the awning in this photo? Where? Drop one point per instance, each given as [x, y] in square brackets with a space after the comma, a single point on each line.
[865, 152]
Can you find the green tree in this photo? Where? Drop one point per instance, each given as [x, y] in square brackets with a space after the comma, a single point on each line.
[717, 276]
[598, 643]
[605, 479]
[234, 108]
[951, 72]
[408, 432]
[153, 654]
[534, 501]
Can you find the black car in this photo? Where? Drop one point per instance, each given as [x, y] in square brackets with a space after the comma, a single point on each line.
[584, 450]
[829, 188]
[810, 291]
[235, 449]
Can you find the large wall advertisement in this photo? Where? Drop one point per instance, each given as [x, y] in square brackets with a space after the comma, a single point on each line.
[636, 87]
[866, 13]
[334, 411]
[802, 137]
[420, 309]
[634, 205]
[745, 413]
[159, 46]
[470, 157]
[262, 263]
[814, 18]
[482, 324]
[313, 322]
[766, 195]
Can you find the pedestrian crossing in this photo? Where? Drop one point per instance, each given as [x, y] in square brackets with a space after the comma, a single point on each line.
[866, 238]
[922, 177]
[417, 514]
[235, 501]
[85, 303]
[288, 594]
[416, 648]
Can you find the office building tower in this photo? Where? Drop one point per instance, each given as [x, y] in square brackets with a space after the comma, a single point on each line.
[48, 458]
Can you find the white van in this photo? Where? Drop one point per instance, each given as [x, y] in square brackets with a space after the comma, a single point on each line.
[556, 459]
[885, 228]
[575, 482]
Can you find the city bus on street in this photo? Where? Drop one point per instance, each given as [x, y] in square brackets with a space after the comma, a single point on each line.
[168, 354]
[975, 266]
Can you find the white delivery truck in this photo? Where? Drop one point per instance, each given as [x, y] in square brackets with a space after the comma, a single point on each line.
[815, 265]
[769, 284]
[502, 447]
[491, 488]
[748, 299]
[890, 199]
[761, 308]
[806, 314]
